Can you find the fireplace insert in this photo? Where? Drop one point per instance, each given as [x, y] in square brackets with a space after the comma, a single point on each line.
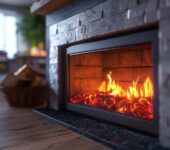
[114, 79]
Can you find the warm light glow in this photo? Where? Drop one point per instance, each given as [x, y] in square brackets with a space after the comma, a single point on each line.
[38, 51]
[136, 100]
[113, 88]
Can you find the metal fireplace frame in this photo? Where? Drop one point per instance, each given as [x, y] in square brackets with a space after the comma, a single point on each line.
[140, 37]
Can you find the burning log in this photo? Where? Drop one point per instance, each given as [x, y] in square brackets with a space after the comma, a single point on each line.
[111, 96]
[139, 107]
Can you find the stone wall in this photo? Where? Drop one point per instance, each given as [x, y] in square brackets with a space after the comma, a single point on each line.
[109, 17]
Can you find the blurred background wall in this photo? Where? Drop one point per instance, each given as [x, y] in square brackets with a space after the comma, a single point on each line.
[22, 36]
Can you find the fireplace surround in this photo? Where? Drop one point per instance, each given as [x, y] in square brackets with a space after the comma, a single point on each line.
[129, 57]
[82, 22]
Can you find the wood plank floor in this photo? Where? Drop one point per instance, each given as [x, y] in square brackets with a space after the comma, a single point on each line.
[21, 129]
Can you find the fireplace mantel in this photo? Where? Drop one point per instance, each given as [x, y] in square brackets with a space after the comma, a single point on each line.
[43, 7]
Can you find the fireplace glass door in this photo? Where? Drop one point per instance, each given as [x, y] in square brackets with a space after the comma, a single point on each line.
[115, 80]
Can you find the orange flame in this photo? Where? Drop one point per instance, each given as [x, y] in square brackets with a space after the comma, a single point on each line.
[136, 101]
[115, 89]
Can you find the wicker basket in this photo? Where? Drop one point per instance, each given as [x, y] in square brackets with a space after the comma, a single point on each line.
[25, 96]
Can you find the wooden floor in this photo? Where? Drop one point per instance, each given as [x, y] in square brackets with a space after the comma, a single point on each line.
[21, 129]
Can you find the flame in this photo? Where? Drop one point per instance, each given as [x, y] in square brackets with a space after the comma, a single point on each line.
[115, 89]
[136, 100]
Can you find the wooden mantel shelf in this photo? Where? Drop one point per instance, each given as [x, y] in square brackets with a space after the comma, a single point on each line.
[44, 7]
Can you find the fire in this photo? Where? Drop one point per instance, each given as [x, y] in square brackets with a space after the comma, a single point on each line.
[136, 100]
[115, 89]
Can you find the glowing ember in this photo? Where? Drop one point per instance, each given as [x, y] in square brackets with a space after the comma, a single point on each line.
[136, 101]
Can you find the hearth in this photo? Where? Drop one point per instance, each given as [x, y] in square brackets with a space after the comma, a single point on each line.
[114, 80]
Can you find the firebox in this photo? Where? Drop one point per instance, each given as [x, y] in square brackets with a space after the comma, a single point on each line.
[115, 80]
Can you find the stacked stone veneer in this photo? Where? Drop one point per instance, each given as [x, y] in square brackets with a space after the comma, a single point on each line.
[111, 16]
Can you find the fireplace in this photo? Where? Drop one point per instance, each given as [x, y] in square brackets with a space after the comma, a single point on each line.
[102, 30]
[115, 80]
